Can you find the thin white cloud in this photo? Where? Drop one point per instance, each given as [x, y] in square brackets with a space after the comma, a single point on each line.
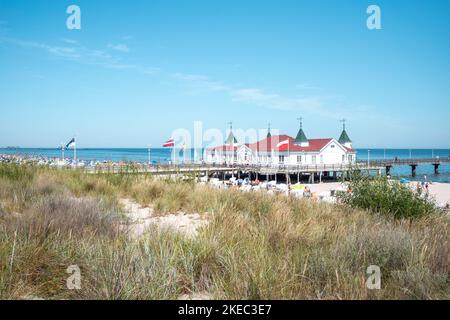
[276, 101]
[69, 41]
[200, 82]
[61, 51]
[119, 47]
[307, 87]
[254, 96]
[75, 52]
[325, 106]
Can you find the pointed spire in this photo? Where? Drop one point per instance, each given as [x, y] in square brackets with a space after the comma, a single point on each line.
[344, 138]
[231, 138]
[301, 137]
[268, 131]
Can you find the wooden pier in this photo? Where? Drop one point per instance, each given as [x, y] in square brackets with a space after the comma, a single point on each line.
[289, 173]
[412, 162]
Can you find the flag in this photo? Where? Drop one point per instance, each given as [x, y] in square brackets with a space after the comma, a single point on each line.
[282, 143]
[71, 143]
[169, 143]
[183, 147]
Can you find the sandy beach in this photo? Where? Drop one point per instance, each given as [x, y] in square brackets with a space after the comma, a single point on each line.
[440, 192]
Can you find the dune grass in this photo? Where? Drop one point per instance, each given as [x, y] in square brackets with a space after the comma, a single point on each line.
[256, 246]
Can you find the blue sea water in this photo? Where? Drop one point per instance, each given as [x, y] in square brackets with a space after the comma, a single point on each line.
[164, 155]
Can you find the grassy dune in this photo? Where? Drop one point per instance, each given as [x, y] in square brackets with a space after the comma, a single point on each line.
[256, 246]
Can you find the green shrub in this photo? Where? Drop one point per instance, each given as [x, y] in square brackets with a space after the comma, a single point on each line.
[391, 198]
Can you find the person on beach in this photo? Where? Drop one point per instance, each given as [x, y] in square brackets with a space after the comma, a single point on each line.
[419, 188]
[306, 192]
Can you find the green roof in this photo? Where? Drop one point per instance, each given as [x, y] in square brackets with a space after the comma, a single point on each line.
[301, 137]
[231, 138]
[344, 137]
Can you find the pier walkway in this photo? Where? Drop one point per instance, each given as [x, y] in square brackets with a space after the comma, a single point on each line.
[317, 171]
[371, 166]
[412, 162]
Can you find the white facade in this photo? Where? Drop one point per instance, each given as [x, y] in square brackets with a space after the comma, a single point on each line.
[328, 152]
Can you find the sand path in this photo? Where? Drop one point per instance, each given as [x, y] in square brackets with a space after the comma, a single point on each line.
[140, 218]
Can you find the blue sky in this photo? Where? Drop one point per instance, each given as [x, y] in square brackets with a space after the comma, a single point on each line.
[139, 69]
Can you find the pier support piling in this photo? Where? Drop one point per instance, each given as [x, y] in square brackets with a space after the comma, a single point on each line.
[388, 170]
[436, 168]
[413, 169]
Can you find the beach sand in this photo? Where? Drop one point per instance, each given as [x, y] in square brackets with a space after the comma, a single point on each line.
[439, 191]
[140, 218]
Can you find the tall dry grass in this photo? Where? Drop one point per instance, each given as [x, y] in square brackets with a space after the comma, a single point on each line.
[256, 246]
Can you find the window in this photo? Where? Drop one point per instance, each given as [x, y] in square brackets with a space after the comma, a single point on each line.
[321, 158]
[299, 159]
[314, 159]
[350, 158]
[343, 158]
[235, 156]
[281, 159]
[332, 146]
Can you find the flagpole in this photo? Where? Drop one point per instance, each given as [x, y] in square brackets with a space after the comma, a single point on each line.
[149, 161]
[75, 151]
[173, 156]
[289, 156]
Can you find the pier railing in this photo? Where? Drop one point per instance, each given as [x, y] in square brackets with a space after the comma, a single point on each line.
[408, 161]
[263, 168]
[260, 168]
[193, 167]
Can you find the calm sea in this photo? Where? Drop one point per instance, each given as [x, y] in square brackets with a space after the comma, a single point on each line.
[161, 155]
